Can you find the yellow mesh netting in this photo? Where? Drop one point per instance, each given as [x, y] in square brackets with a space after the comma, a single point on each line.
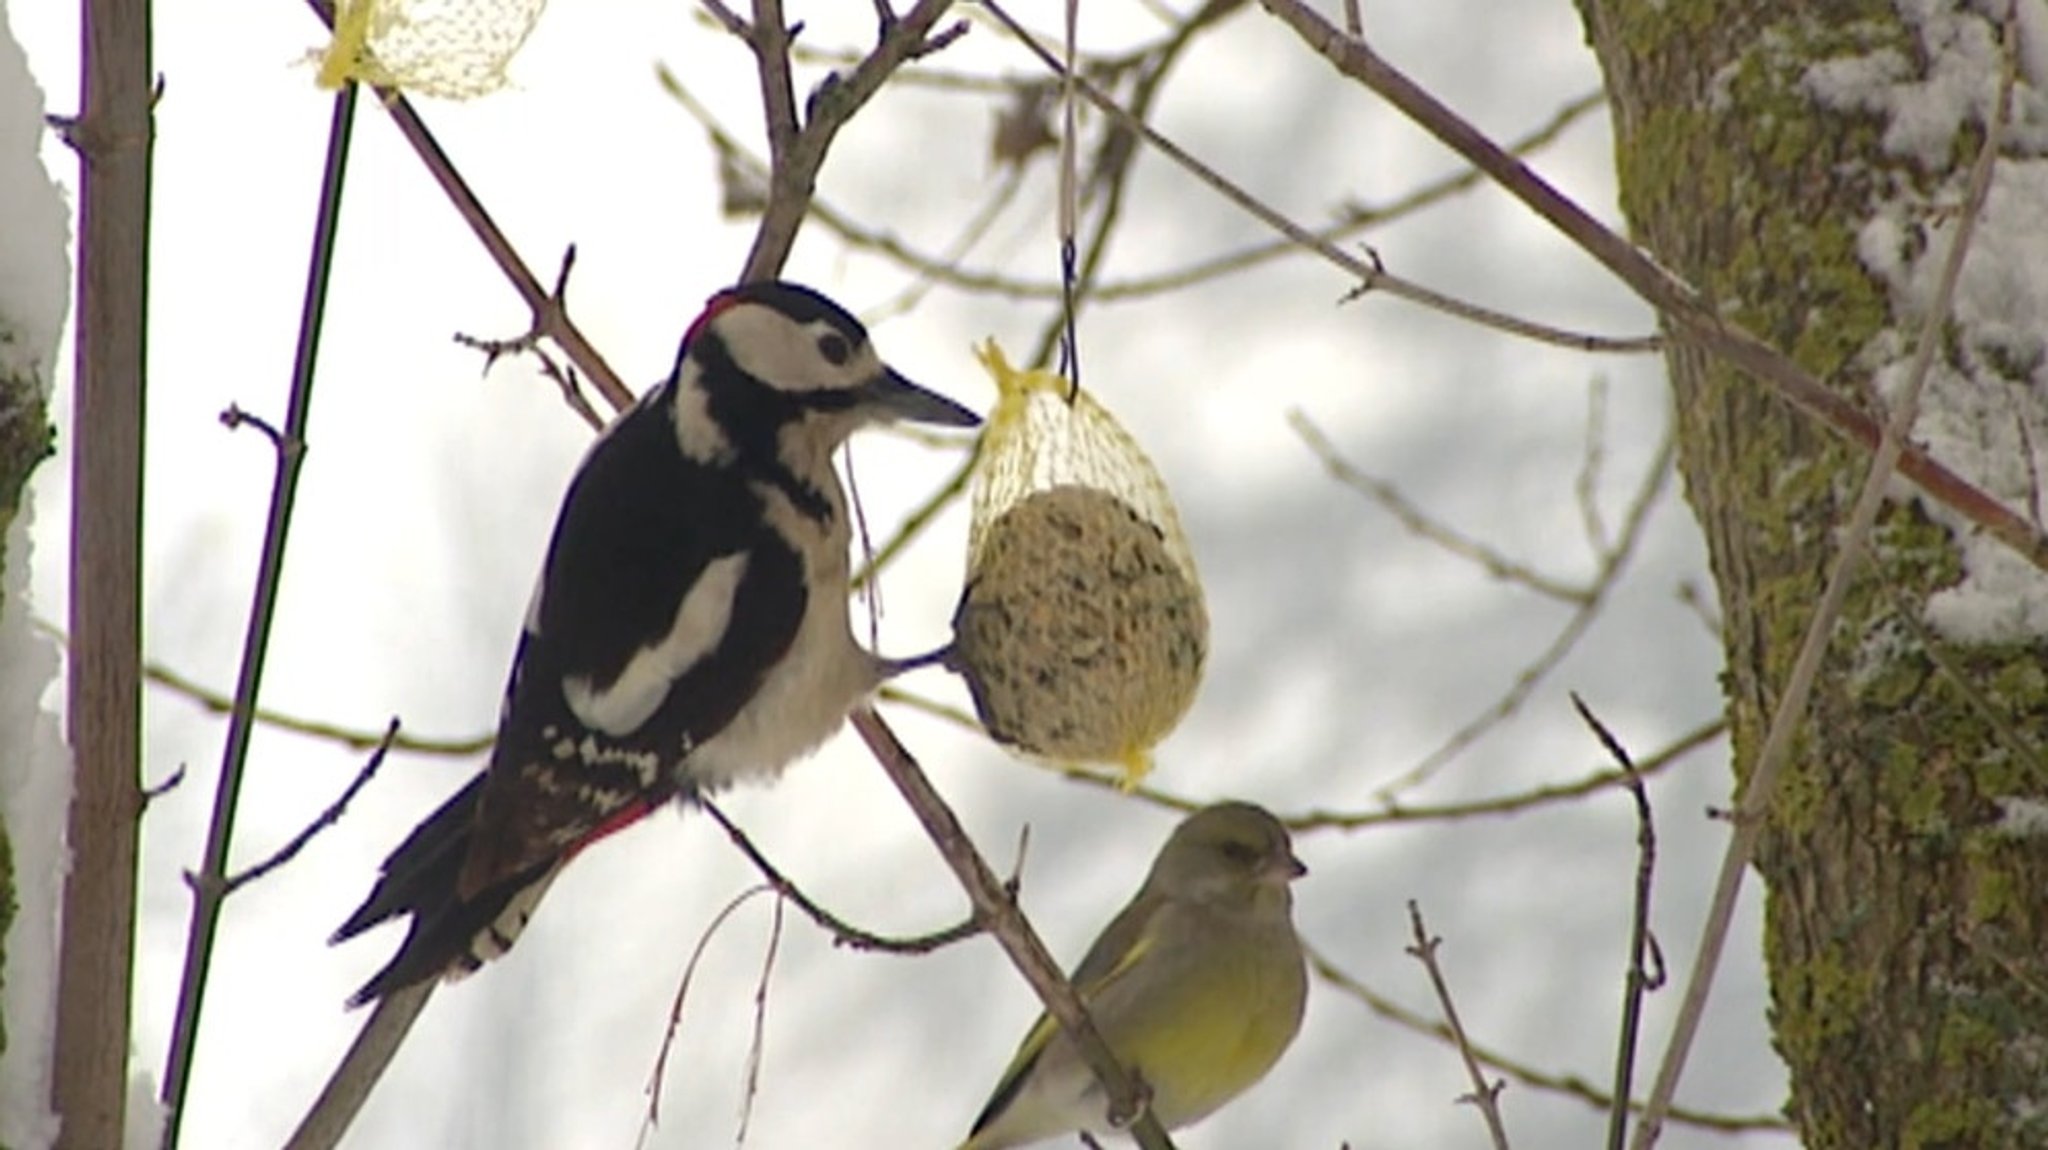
[454, 49]
[1082, 632]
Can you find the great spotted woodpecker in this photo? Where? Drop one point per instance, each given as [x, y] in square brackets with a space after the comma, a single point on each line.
[689, 629]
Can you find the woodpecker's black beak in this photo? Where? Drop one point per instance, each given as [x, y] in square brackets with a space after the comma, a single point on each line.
[891, 398]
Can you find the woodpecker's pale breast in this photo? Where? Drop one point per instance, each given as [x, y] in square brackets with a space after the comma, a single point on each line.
[806, 695]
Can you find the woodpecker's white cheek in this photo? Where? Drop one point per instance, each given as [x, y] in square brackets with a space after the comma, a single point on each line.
[785, 354]
[700, 623]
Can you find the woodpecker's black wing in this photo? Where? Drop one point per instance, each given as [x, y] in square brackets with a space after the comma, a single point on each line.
[664, 601]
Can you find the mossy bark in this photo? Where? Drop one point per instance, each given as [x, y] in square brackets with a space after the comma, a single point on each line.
[1907, 936]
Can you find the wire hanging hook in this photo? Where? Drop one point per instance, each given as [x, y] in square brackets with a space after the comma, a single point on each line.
[1070, 345]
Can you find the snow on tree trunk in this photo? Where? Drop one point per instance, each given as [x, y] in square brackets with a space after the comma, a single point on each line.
[1800, 161]
[35, 776]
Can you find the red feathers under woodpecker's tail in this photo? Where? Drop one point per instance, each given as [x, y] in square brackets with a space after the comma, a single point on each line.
[452, 934]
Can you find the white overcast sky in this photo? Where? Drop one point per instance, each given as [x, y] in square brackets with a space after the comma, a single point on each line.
[1344, 649]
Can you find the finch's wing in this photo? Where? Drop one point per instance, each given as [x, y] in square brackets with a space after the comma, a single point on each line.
[1117, 950]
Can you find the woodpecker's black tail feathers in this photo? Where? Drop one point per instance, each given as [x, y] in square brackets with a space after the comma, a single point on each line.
[447, 932]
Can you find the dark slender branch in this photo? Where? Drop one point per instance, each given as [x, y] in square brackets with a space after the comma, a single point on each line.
[1643, 952]
[210, 888]
[1485, 1095]
[328, 818]
[170, 783]
[844, 933]
[999, 913]
[234, 419]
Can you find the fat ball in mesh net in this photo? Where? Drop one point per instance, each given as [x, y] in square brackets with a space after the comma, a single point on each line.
[1082, 631]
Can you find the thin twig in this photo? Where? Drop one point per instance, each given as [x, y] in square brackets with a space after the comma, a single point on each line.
[1695, 319]
[1349, 222]
[549, 316]
[757, 1040]
[1760, 786]
[289, 445]
[529, 343]
[1514, 802]
[1364, 272]
[1645, 958]
[1002, 918]
[158, 790]
[675, 1009]
[354, 738]
[844, 933]
[328, 818]
[1586, 487]
[1646, 499]
[795, 161]
[1419, 523]
[1567, 1085]
[1485, 1095]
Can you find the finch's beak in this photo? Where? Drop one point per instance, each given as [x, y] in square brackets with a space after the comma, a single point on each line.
[890, 398]
[1286, 869]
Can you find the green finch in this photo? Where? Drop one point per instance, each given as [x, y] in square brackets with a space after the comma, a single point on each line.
[1198, 986]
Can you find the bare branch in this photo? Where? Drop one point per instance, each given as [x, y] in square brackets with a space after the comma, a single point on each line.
[1568, 1085]
[796, 160]
[1001, 916]
[675, 1010]
[757, 1040]
[1319, 820]
[1485, 1095]
[530, 343]
[1419, 522]
[1366, 274]
[1645, 958]
[549, 316]
[289, 445]
[328, 818]
[1695, 319]
[844, 933]
[1647, 496]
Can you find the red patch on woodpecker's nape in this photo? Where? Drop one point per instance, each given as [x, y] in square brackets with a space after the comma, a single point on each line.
[712, 307]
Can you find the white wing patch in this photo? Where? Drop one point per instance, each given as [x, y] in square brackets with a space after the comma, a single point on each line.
[701, 621]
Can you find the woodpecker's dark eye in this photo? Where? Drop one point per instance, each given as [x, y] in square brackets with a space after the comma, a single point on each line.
[834, 348]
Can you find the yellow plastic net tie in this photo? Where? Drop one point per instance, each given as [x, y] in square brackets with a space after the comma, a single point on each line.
[1082, 632]
[454, 49]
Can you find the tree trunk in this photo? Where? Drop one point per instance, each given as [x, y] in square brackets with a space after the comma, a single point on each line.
[1907, 924]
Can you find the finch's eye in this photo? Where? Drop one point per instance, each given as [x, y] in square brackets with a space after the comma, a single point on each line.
[1244, 854]
[834, 348]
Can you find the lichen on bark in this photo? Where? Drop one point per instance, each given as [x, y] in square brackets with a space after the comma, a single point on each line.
[1906, 938]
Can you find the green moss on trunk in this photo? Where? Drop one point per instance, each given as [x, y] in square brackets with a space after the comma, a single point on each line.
[1906, 936]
